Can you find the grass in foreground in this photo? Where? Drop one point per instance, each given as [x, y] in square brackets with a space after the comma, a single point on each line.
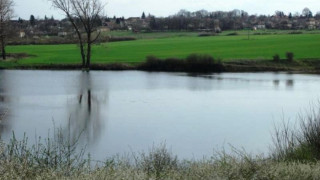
[259, 47]
[54, 160]
[295, 156]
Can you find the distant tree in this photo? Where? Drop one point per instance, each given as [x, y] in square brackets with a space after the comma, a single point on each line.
[143, 16]
[20, 20]
[306, 12]
[202, 13]
[244, 14]
[290, 16]
[279, 13]
[32, 20]
[118, 21]
[6, 13]
[153, 23]
[184, 13]
[236, 13]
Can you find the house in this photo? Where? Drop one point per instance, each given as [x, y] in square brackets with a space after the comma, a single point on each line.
[260, 26]
[103, 29]
[62, 34]
[311, 23]
[132, 20]
[22, 34]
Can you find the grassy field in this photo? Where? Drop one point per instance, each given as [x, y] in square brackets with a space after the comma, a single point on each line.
[177, 45]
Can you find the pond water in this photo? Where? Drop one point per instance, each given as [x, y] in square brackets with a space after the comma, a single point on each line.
[122, 112]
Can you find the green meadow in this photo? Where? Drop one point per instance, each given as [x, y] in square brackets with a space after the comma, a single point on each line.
[224, 47]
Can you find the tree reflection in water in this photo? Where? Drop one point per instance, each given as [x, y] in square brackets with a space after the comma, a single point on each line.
[3, 108]
[85, 121]
[3, 114]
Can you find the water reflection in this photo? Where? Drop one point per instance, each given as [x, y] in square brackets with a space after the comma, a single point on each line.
[112, 111]
[195, 84]
[3, 108]
[3, 114]
[289, 83]
[85, 121]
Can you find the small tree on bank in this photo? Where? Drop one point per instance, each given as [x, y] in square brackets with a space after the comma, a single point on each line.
[6, 13]
[84, 15]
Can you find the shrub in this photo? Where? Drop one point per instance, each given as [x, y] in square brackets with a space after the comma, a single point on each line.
[261, 33]
[196, 63]
[289, 56]
[116, 39]
[158, 161]
[153, 63]
[193, 63]
[173, 64]
[206, 34]
[276, 58]
[232, 34]
[301, 143]
[295, 32]
[56, 154]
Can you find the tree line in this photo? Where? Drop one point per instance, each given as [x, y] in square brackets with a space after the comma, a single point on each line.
[231, 20]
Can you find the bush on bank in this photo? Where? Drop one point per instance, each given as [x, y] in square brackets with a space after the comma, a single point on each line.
[193, 63]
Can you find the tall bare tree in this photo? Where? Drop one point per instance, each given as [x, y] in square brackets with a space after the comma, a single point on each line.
[6, 13]
[84, 15]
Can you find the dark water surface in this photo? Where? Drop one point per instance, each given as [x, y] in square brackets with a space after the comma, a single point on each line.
[119, 112]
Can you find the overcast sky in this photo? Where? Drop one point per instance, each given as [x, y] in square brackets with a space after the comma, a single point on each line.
[133, 8]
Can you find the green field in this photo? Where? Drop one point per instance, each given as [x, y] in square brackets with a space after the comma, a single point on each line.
[162, 45]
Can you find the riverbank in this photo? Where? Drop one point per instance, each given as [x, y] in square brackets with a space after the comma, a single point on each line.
[294, 155]
[58, 160]
[173, 65]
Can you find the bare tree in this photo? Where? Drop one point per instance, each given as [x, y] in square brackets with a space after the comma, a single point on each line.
[6, 13]
[84, 15]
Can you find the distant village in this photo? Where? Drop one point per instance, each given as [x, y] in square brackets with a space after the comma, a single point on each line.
[182, 21]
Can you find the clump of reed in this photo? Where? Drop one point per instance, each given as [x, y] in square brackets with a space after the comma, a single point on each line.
[300, 142]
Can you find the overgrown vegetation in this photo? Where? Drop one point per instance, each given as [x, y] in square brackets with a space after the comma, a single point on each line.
[289, 56]
[232, 34]
[295, 155]
[301, 142]
[276, 58]
[57, 158]
[193, 63]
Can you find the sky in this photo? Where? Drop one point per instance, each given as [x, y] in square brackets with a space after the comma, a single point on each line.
[162, 8]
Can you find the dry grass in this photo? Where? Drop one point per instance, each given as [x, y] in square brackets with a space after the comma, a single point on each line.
[295, 156]
[300, 142]
[56, 160]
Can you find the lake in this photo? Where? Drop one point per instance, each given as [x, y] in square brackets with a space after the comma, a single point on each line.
[130, 111]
